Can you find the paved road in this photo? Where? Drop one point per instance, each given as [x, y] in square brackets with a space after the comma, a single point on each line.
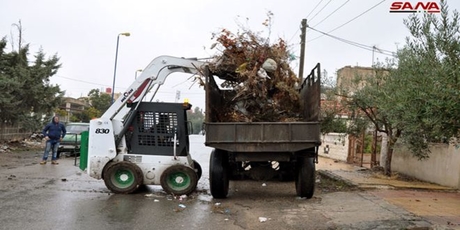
[62, 197]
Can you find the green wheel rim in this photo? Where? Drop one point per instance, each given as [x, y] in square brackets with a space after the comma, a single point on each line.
[123, 178]
[178, 180]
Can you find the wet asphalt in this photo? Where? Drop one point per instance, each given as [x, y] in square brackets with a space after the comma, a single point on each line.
[64, 197]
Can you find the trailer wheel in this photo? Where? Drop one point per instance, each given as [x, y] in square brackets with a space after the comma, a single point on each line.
[198, 169]
[218, 173]
[123, 177]
[305, 181]
[179, 180]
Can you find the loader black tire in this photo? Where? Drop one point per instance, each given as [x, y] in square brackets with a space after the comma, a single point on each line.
[306, 177]
[179, 180]
[123, 177]
[198, 169]
[218, 174]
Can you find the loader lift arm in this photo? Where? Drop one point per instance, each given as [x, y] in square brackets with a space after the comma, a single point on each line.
[154, 75]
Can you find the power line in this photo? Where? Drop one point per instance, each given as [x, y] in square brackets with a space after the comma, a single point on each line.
[338, 27]
[356, 44]
[332, 13]
[87, 82]
[105, 85]
[294, 35]
[367, 47]
[314, 8]
[289, 41]
[320, 10]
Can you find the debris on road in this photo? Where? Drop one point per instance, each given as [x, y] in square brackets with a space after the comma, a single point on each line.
[183, 197]
[19, 145]
[219, 208]
[263, 219]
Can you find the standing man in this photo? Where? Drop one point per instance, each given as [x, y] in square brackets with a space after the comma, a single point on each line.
[53, 133]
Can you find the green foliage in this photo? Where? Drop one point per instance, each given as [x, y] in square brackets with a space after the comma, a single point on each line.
[416, 99]
[26, 90]
[330, 108]
[368, 142]
[60, 112]
[424, 89]
[331, 124]
[196, 117]
[80, 117]
[99, 102]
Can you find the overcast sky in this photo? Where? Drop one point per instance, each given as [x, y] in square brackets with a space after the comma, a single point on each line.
[83, 34]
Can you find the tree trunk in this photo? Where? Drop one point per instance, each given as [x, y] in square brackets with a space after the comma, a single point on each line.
[388, 159]
[383, 149]
[391, 143]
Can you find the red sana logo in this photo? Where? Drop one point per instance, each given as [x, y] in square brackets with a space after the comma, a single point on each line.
[419, 7]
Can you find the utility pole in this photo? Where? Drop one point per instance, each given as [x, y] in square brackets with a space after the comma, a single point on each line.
[302, 48]
[177, 95]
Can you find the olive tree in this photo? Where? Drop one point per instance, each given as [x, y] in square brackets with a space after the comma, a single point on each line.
[423, 91]
[415, 98]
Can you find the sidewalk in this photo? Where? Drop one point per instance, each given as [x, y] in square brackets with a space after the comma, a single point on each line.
[438, 204]
[366, 179]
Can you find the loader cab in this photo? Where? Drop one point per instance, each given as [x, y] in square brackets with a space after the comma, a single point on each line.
[158, 128]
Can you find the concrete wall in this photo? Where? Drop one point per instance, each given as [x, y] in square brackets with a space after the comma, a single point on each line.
[338, 146]
[443, 166]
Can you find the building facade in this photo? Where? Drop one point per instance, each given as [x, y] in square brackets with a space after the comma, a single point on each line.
[72, 106]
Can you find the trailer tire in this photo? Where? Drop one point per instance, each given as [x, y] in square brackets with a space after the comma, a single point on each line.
[198, 169]
[179, 180]
[123, 177]
[218, 174]
[306, 176]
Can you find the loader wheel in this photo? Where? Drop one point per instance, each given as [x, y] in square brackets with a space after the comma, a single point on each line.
[218, 173]
[305, 181]
[123, 177]
[198, 169]
[179, 180]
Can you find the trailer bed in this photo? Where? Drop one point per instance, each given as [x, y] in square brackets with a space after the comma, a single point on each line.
[262, 136]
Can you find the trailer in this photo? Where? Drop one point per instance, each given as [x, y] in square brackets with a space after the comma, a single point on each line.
[263, 150]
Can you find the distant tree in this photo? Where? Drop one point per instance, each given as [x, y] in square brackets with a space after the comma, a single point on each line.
[369, 109]
[331, 121]
[99, 102]
[331, 109]
[81, 117]
[27, 93]
[196, 117]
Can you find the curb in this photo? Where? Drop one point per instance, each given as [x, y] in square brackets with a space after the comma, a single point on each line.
[333, 176]
[366, 186]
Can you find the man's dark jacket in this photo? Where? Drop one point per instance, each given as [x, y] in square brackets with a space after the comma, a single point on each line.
[54, 130]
